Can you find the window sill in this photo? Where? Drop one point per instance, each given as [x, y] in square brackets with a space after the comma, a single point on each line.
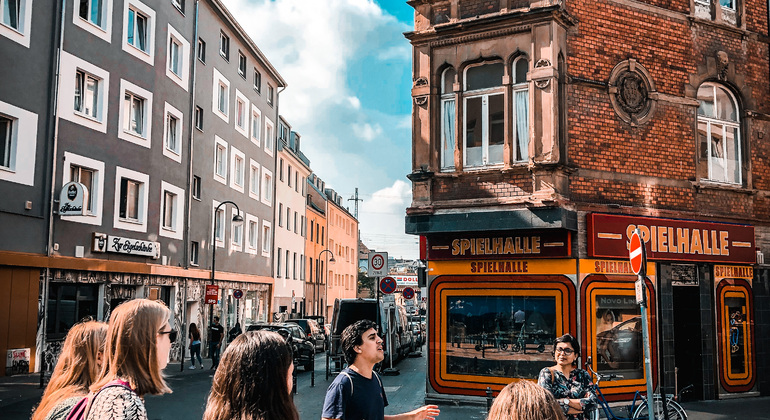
[131, 221]
[224, 56]
[7, 169]
[91, 24]
[135, 134]
[86, 117]
[197, 198]
[169, 230]
[13, 29]
[137, 49]
[179, 9]
[259, 92]
[712, 185]
[176, 153]
[193, 264]
[723, 25]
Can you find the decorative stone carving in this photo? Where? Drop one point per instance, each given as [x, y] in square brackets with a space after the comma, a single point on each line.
[723, 63]
[420, 91]
[542, 84]
[632, 92]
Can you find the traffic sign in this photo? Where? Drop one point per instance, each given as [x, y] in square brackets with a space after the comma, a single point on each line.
[237, 293]
[378, 264]
[388, 285]
[408, 293]
[636, 253]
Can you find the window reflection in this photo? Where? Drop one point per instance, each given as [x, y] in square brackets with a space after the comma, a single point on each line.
[618, 329]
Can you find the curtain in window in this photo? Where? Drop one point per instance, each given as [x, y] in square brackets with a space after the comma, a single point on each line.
[522, 125]
[171, 133]
[11, 13]
[96, 12]
[92, 96]
[79, 76]
[448, 134]
[141, 32]
[5, 142]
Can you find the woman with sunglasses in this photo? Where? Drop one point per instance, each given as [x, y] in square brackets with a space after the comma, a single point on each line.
[569, 385]
[138, 342]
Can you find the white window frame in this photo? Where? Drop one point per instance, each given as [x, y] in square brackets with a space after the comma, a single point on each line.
[220, 243]
[267, 233]
[223, 53]
[198, 116]
[103, 31]
[220, 143]
[140, 225]
[220, 79]
[485, 94]
[145, 139]
[149, 55]
[269, 136]
[236, 238]
[170, 111]
[237, 182]
[20, 35]
[256, 125]
[520, 87]
[736, 125]
[248, 237]
[70, 64]
[241, 113]
[23, 145]
[270, 93]
[177, 229]
[447, 97]
[183, 78]
[242, 58]
[267, 187]
[96, 196]
[257, 82]
[254, 176]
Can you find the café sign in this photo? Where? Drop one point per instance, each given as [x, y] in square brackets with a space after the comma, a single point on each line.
[671, 239]
[489, 245]
[121, 245]
[72, 199]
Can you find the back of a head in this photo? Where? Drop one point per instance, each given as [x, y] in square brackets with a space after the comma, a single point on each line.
[352, 336]
[250, 382]
[131, 346]
[77, 367]
[524, 400]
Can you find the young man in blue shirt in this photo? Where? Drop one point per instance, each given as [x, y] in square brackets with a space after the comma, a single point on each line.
[357, 392]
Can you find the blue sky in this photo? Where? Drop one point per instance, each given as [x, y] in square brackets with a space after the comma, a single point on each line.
[348, 69]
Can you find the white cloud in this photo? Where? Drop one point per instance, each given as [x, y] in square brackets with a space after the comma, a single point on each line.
[383, 214]
[367, 132]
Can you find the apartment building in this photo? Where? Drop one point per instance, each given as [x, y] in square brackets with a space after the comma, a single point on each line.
[291, 183]
[544, 134]
[342, 228]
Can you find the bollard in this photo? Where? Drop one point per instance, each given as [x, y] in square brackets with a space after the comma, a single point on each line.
[294, 382]
[489, 399]
[312, 377]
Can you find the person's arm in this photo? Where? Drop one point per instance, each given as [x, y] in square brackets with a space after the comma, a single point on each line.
[429, 412]
[334, 401]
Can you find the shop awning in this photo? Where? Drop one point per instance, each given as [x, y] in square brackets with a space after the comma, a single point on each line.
[518, 219]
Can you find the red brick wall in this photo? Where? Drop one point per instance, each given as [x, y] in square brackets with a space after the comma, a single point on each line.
[470, 8]
[482, 185]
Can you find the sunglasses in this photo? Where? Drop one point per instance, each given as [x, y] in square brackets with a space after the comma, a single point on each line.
[172, 334]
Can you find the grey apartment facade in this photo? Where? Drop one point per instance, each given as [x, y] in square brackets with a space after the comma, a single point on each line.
[152, 124]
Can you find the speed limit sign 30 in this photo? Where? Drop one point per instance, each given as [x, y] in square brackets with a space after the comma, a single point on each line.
[378, 264]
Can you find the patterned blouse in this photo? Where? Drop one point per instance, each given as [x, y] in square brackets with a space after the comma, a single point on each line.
[117, 403]
[577, 386]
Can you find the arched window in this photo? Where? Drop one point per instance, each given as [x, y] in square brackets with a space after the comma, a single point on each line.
[448, 119]
[719, 135]
[521, 109]
[483, 115]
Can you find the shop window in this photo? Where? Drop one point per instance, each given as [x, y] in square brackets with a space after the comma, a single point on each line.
[613, 330]
[69, 303]
[492, 332]
[735, 333]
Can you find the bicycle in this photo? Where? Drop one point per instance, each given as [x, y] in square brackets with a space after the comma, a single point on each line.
[639, 412]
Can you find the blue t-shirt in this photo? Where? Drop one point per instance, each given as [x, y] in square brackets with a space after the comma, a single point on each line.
[354, 397]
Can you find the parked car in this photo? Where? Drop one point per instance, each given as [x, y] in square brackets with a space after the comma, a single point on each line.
[302, 346]
[621, 346]
[313, 332]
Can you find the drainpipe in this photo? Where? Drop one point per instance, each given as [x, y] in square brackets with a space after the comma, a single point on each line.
[188, 203]
[53, 121]
[275, 191]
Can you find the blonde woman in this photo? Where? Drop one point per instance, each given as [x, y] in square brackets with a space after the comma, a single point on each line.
[524, 400]
[77, 368]
[137, 348]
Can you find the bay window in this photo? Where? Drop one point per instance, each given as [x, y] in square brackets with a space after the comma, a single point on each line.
[483, 115]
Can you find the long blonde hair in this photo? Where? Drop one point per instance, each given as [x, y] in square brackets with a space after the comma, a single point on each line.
[77, 367]
[524, 400]
[131, 352]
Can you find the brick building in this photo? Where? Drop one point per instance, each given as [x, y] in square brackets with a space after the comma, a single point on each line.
[544, 132]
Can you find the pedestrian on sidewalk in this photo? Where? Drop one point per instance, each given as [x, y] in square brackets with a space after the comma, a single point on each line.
[254, 380]
[77, 368]
[137, 349]
[357, 392]
[194, 335]
[216, 331]
[234, 332]
[523, 400]
[571, 386]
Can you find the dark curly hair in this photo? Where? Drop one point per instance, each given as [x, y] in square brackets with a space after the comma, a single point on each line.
[352, 336]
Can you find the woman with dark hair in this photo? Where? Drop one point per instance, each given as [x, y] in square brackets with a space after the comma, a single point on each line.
[253, 381]
[77, 368]
[523, 400]
[195, 345]
[572, 387]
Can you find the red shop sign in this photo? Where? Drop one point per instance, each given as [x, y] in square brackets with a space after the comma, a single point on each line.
[212, 294]
[671, 239]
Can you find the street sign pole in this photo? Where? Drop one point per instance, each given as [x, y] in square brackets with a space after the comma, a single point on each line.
[640, 267]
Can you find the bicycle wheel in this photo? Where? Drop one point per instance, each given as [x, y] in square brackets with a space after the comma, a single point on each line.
[675, 411]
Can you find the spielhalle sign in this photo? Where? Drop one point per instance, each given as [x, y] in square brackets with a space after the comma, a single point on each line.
[671, 239]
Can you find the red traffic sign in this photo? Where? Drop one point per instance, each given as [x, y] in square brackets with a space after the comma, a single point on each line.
[388, 285]
[636, 253]
[237, 293]
[212, 294]
[408, 293]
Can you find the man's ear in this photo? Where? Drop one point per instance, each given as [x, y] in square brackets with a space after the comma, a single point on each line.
[357, 349]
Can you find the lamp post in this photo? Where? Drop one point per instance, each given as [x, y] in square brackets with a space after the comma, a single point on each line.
[326, 297]
[237, 220]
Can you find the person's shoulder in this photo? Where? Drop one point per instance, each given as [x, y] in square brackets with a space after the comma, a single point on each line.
[117, 402]
[545, 371]
[63, 408]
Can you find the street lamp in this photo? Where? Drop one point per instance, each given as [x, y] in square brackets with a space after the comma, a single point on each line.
[237, 221]
[326, 297]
